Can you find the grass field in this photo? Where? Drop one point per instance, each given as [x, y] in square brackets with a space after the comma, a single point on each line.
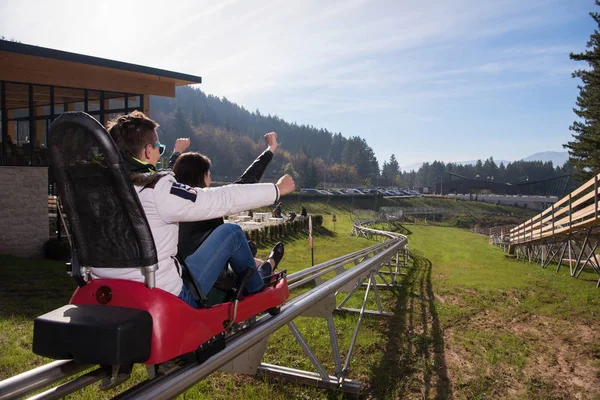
[492, 327]
[469, 323]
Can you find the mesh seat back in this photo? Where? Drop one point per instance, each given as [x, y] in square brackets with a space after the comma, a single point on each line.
[107, 221]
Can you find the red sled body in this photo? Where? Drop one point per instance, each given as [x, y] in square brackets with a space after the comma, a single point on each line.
[175, 327]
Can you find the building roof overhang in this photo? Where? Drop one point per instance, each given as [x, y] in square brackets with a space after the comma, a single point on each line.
[43, 66]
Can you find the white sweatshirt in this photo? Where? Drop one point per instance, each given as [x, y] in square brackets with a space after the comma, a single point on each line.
[169, 203]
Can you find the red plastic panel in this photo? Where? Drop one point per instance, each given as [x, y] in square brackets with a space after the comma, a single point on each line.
[177, 327]
[259, 302]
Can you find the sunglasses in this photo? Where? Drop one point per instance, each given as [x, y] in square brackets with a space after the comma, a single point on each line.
[162, 147]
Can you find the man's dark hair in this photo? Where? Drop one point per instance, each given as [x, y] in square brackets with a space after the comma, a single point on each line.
[190, 169]
[132, 132]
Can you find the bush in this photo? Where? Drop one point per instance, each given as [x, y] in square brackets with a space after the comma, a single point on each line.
[59, 250]
[317, 220]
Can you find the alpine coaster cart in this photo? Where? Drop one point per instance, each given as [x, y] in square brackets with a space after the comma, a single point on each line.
[116, 323]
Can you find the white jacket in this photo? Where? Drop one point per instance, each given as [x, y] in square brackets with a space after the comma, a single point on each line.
[169, 203]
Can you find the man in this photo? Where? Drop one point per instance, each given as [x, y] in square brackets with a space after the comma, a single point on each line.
[167, 202]
[277, 212]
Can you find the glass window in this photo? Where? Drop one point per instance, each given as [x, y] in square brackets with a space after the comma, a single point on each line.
[133, 101]
[19, 113]
[114, 100]
[73, 98]
[40, 144]
[93, 100]
[59, 109]
[22, 132]
[41, 100]
[17, 97]
[21, 151]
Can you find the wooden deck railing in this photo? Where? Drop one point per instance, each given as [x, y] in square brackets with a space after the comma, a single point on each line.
[577, 210]
[51, 205]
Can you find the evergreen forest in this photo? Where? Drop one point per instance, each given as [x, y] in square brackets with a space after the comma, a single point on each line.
[232, 136]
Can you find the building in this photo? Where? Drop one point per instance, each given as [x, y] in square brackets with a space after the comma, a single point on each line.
[533, 202]
[37, 84]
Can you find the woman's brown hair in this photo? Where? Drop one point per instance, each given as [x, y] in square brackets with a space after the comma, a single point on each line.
[191, 168]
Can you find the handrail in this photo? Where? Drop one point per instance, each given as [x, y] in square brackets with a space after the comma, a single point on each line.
[576, 210]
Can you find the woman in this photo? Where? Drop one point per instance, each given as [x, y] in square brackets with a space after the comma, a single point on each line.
[193, 169]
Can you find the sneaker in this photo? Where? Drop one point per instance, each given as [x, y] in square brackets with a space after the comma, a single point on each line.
[277, 254]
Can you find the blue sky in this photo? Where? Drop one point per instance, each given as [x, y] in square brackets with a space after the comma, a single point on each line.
[449, 80]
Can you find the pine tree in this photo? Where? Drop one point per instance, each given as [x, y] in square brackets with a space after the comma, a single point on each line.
[310, 176]
[390, 171]
[584, 150]
[181, 124]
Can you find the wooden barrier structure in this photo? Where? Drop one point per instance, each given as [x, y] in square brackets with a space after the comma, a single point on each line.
[499, 235]
[567, 231]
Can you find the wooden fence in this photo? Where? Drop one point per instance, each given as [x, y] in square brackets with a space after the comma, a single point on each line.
[577, 210]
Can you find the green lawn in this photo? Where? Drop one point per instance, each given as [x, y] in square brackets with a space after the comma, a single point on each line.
[497, 328]
[469, 323]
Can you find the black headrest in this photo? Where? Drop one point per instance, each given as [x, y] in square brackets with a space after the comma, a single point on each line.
[105, 216]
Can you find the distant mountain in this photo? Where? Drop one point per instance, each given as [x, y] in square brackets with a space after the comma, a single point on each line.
[557, 158]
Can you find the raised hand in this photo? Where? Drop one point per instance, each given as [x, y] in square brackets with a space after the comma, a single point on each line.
[181, 145]
[286, 185]
[271, 139]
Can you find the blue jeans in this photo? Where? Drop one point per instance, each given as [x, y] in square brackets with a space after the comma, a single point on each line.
[226, 244]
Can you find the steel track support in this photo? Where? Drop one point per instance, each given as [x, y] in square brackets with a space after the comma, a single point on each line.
[355, 335]
[308, 352]
[582, 250]
[562, 255]
[571, 257]
[553, 251]
[588, 259]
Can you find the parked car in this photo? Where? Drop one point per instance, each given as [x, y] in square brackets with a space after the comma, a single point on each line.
[338, 191]
[353, 191]
[310, 191]
[370, 191]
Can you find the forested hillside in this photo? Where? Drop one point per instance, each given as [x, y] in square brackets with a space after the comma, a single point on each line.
[232, 137]
[512, 172]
